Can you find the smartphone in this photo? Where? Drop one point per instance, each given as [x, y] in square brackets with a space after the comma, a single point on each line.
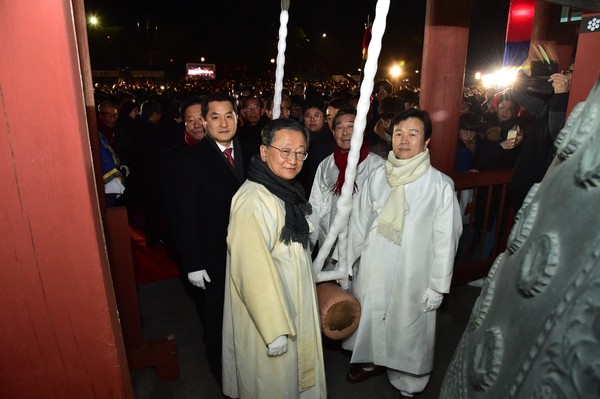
[512, 134]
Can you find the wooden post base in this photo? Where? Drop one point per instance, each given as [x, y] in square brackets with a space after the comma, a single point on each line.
[160, 353]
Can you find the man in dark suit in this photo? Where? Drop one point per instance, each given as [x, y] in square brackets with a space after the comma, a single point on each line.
[215, 169]
[176, 165]
[142, 193]
[253, 122]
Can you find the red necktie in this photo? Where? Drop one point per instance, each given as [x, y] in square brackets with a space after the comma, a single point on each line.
[227, 153]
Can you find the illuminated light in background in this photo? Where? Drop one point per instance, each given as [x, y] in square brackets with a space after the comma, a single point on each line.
[162, 87]
[501, 78]
[324, 35]
[202, 59]
[94, 20]
[478, 75]
[395, 71]
[417, 71]
[201, 70]
[524, 12]
[272, 60]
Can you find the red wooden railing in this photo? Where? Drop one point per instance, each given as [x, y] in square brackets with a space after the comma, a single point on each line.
[488, 219]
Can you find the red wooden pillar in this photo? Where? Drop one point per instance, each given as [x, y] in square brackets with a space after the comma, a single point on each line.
[559, 38]
[562, 38]
[587, 69]
[59, 326]
[443, 72]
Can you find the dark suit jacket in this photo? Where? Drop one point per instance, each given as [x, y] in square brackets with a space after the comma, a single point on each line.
[201, 188]
[320, 147]
[176, 167]
[141, 188]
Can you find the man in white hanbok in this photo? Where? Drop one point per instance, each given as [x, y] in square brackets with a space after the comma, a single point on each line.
[329, 179]
[271, 336]
[404, 233]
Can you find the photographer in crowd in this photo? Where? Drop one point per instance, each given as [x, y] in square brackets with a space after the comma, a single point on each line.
[545, 100]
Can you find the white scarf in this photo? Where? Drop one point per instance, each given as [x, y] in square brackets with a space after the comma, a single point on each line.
[399, 172]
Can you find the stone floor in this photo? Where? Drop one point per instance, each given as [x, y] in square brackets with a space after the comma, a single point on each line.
[167, 310]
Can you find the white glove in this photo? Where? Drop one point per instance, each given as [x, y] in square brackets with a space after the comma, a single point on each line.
[432, 300]
[197, 278]
[125, 170]
[278, 347]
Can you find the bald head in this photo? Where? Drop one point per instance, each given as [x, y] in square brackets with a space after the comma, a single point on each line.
[108, 114]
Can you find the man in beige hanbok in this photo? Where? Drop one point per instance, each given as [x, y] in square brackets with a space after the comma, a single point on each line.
[405, 231]
[271, 334]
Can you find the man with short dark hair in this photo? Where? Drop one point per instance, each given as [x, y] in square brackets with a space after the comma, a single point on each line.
[253, 121]
[379, 135]
[299, 90]
[404, 233]
[333, 107]
[170, 128]
[219, 168]
[321, 140]
[381, 89]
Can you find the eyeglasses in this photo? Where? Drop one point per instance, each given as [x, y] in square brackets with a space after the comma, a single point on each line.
[286, 153]
[566, 71]
[313, 116]
[252, 107]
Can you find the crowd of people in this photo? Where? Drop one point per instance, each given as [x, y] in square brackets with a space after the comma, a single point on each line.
[511, 129]
[242, 202]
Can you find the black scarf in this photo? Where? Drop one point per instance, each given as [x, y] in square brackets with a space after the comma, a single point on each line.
[297, 208]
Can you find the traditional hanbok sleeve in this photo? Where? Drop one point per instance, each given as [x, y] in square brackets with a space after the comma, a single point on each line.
[254, 230]
[447, 228]
[316, 202]
[360, 219]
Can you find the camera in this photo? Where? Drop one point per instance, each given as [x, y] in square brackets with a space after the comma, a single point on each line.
[537, 83]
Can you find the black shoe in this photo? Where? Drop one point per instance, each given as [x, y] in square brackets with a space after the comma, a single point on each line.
[358, 374]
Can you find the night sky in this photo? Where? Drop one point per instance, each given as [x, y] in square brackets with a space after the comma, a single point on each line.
[164, 35]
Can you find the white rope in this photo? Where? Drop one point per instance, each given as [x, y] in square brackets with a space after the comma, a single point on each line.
[344, 204]
[283, 20]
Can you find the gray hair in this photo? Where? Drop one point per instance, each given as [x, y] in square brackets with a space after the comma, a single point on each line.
[272, 127]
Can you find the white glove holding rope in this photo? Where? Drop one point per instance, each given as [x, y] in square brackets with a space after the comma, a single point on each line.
[278, 347]
[432, 300]
[198, 278]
